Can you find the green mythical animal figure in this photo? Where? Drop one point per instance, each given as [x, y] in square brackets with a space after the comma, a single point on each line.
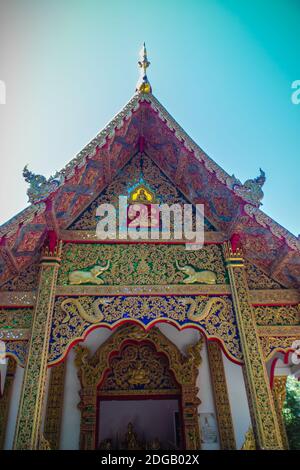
[203, 276]
[88, 276]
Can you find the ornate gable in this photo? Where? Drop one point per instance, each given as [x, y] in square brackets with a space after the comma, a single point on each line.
[140, 170]
[144, 126]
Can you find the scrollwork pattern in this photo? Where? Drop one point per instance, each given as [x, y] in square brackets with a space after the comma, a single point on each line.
[267, 427]
[141, 264]
[73, 316]
[30, 408]
[16, 318]
[287, 315]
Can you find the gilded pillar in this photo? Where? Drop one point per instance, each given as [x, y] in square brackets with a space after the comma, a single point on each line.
[88, 408]
[28, 431]
[5, 398]
[264, 417]
[54, 409]
[279, 394]
[190, 403]
[223, 410]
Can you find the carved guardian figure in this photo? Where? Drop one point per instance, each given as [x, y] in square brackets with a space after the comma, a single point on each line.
[203, 277]
[88, 277]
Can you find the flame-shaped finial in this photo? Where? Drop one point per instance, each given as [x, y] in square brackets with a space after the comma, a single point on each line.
[143, 85]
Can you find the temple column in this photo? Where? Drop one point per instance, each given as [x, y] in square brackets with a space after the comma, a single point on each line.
[54, 409]
[27, 433]
[5, 398]
[88, 407]
[190, 403]
[279, 394]
[264, 417]
[223, 410]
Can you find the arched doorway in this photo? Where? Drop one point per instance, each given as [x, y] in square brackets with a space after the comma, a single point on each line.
[135, 365]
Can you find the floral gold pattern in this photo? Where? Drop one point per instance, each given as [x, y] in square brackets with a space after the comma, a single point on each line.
[73, 317]
[223, 410]
[30, 409]
[158, 262]
[262, 406]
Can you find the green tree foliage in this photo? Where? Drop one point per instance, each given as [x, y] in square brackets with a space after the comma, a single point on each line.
[291, 412]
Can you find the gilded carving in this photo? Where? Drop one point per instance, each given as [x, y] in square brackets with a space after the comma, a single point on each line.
[74, 316]
[287, 315]
[257, 279]
[249, 442]
[91, 372]
[274, 296]
[223, 410]
[262, 406]
[279, 393]
[17, 349]
[140, 167]
[137, 368]
[54, 409]
[142, 264]
[88, 276]
[27, 433]
[271, 344]
[193, 276]
[17, 299]
[15, 318]
[25, 281]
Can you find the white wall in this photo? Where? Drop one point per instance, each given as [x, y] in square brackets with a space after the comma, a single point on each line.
[238, 400]
[3, 368]
[182, 339]
[71, 414]
[14, 407]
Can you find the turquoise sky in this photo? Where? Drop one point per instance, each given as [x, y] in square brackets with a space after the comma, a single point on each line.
[222, 68]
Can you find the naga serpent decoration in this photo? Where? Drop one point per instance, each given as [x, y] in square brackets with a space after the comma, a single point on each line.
[96, 308]
[194, 304]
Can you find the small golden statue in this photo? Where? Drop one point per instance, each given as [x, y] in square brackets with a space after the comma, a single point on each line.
[139, 376]
[154, 444]
[131, 442]
[249, 443]
[89, 276]
[203, 277]
[106, 445]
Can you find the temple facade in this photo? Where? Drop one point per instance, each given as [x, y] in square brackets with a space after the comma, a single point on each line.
[134, 337]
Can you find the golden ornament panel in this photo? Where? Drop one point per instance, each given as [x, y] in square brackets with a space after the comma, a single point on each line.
[140, 264]
[73, 317]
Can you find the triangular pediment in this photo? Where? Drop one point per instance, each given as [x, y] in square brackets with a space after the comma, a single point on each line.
[145, 126]
[139, 171]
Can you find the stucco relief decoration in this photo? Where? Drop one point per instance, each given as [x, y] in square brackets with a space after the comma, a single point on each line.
[39, 187]
[74, 316]
[142, 264]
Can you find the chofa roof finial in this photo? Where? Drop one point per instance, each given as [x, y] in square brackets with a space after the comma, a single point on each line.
[143, 85]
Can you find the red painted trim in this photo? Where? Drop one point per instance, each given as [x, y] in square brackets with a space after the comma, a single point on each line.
[135, 322]
[14, 307]
[216, 340]
[146, 294]
[274, 305]
[272, 371]
[132, 397]
[137, 242]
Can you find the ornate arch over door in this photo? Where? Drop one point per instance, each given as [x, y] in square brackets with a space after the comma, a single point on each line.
[182, 373]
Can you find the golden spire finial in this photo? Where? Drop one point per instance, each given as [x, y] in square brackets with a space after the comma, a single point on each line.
[143, 85]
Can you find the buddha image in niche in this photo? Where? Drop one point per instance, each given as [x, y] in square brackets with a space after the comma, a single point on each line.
[143, 212]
